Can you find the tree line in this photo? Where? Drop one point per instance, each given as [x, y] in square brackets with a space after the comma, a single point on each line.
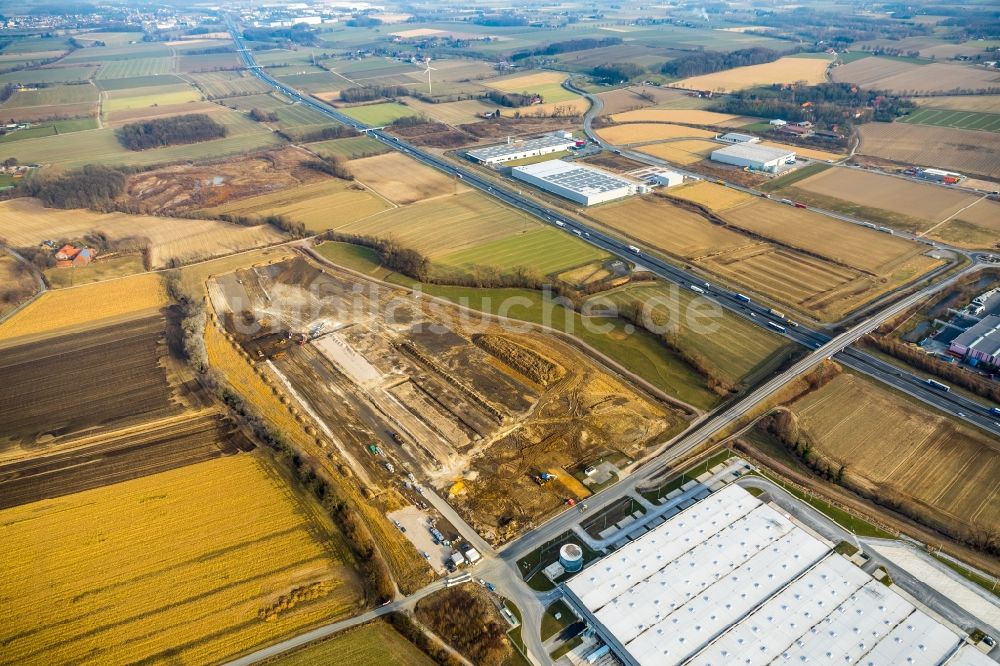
[263, 116]
[511, 100]
[567, 46]
[367, 94]
[190, 128]
[618, 71]
[325, 134]
[707, 62]
[91, 186]
[829, 104]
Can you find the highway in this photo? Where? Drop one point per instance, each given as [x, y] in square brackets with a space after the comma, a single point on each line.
[502, 569]
[966, 409]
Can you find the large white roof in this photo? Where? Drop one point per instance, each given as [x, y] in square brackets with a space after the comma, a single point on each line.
[733, 581]
[754, 151]
[576, 177]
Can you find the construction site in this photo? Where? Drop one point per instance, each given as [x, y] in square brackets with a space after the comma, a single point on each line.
[412, 391]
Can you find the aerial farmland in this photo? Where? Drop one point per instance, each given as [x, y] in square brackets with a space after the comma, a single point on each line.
[294, 372]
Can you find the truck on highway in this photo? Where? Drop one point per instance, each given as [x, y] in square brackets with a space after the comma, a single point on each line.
[742, 298]
[775, 313]
[635, 249]
[937, 385]
[695, 288]
[776, 326]
[560, 223]
[995, 411]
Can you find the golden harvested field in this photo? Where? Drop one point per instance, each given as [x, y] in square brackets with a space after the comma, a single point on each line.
[811, 285]
[129, 297]
[692, 117]
[944, 469]
[919, 200]
[567, 108]
[965, 151]
[641, 132]
[783, 70]
[900, 77]
[975, 227]
[656, 222]
[712, 196]
[320, 206]
[684, 151]
[981, 103]
[452, 113]
[811, 153]
[547, 84]
[858, 247]
[446, 224]
[192, 565]
[403, 180]
[27, 222]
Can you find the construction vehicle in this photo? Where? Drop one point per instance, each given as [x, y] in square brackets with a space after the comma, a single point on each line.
[570, 501]
[388, 467]
[543, 478]
[374, 450]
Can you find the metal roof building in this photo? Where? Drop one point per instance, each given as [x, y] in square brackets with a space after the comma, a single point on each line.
[755, 156]
[980, 342]
[516, 150]
[736, 137]
[731, 580]
[576, 182]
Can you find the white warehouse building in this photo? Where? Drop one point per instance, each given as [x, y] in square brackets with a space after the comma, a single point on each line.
[732, 580]
[577, 182]
[518, 150]
[754, 156]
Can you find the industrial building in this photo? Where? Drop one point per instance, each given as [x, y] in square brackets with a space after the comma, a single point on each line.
[980, 344]
[940, 176]
[736, 137]
[583, 184]
[517, 150]
[731, 580]
[754, 156]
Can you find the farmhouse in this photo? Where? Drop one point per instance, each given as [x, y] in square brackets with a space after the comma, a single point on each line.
[736, 137]
[731, 580]
[517, 150]
[576, 182]
[980, 344]
[755, 157]
[778, 122]
[69, 255]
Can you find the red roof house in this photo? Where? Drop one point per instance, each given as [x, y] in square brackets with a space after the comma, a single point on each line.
[67, 253]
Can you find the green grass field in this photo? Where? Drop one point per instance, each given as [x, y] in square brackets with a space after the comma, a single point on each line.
[738, 349]
[60, 94]
[111, 85]
[379, 114]
[988, 122]
[349, 148]
[101, 146]
[794, 177]
[155, 96]
[373, 643]
[848, 58]
[51, 128]
[227, 84]
[133, 67]
[546, 250]
[49, 75]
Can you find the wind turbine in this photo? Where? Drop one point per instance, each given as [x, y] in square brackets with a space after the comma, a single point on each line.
[427, 64]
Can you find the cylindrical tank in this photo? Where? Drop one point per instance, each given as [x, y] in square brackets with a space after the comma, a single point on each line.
[571, 557]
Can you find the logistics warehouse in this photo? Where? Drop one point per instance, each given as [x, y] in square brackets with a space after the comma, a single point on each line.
[731, 580]
[519, 150]
[754, 156]
[577, 182]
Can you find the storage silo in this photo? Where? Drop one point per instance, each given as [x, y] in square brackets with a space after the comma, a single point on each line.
[571, 557]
